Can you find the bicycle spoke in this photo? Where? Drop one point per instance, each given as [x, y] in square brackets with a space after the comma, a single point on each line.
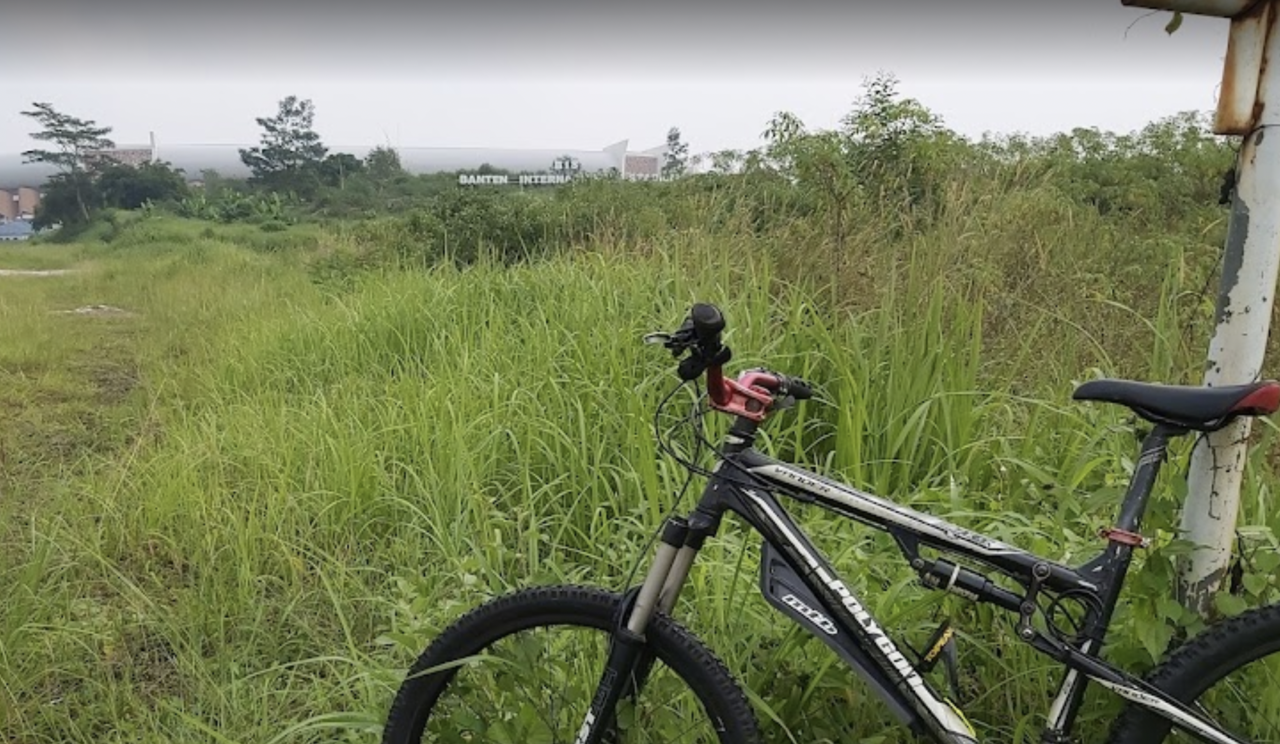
[550, 719]
[535, 687]
[662, 704]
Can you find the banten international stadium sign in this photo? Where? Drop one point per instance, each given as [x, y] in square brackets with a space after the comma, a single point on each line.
[563, 169]
[524, 179]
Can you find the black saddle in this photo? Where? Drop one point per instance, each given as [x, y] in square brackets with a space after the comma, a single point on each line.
[1186, 406]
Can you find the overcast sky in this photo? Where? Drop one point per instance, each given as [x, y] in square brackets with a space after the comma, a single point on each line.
[568, 74]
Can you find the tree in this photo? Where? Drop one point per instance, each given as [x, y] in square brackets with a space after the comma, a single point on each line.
[213, 182]
[676, 161]
[383, 164]
[335, 169]
[66, 199]
[885, 128]
[726, 161]
[290, 152]
[127, 187]
[74, 141]
[820, 165]
[781, 135]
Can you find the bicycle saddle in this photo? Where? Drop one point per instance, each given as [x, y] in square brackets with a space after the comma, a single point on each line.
[1186, 406]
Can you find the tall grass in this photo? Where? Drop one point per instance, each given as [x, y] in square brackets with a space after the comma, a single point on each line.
[321, 475]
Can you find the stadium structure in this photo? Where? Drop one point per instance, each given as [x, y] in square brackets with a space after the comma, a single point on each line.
[20, 182]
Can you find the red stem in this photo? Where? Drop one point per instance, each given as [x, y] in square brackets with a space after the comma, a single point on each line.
[716, 388]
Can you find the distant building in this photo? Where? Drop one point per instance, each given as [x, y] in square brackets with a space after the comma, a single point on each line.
[20, 182]
[133, 155]
[643, 167]
[195, 160]
[27, 200]
[18, 204]
[20, 230]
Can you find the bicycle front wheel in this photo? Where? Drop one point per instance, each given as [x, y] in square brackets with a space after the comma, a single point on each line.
[524, 667]
[1230, 672]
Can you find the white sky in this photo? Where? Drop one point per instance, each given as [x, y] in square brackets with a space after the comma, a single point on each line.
[563, 77]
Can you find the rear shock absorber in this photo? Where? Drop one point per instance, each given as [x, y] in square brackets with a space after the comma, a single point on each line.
[949, 577]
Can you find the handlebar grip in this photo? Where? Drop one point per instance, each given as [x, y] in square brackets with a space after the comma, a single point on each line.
[708, 322]
[799, 389]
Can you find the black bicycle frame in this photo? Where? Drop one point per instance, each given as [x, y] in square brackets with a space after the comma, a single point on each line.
[798, 580]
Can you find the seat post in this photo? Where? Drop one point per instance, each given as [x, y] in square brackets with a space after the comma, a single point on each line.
[1154, 447]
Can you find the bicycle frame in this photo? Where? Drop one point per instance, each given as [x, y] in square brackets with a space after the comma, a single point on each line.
[797, 579]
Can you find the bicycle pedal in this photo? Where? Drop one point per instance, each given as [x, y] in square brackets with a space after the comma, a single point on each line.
[942, 647]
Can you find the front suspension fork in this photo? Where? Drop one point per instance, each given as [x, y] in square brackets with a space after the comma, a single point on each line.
[630, 657]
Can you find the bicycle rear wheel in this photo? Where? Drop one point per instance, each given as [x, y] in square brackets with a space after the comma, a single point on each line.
[1231, 672]
[524, 668]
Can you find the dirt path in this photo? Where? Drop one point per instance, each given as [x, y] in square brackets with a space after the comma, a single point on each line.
[35, 272]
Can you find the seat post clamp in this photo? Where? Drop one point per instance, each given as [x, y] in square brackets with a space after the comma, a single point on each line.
[1124, 537]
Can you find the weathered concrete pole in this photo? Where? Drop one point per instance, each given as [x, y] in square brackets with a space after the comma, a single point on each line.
[1248, 106]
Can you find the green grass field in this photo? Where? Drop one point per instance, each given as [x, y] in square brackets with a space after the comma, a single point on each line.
[236, 514]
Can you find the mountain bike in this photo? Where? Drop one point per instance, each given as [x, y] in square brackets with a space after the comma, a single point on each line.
[641, 677]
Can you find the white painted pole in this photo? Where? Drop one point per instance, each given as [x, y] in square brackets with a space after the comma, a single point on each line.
[1243, 317]
[1248, 106]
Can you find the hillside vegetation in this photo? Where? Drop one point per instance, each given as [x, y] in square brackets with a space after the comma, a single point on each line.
[238, 512]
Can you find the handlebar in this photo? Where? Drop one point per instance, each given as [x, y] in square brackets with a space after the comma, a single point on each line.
[798, 388]
[707, 322]
[753, 394]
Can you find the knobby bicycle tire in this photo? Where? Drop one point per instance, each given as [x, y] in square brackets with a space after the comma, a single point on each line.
[688, 658]
[1200, 664]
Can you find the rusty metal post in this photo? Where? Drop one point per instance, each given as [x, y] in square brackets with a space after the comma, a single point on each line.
[1249, 106]
[1217, 8]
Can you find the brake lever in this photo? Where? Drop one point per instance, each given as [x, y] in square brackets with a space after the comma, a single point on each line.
[677, 343]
